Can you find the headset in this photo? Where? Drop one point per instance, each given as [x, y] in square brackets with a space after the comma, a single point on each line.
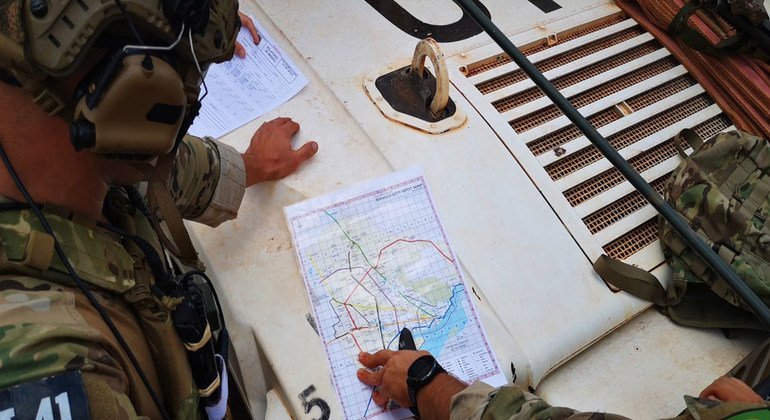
[134, 102]
[141, 98]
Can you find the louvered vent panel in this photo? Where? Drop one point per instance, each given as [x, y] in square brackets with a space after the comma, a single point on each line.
[560, 60]
[631, 89]
[540, 45]
[628, 136]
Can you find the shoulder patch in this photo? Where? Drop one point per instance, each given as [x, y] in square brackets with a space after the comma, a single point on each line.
[56, 397]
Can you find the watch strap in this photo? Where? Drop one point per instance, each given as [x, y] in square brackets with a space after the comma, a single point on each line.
[417, 380]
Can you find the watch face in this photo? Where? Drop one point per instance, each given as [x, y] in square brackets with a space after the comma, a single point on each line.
[421, 368]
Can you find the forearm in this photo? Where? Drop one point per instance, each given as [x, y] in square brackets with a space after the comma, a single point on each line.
[207, 180]
[435, 399]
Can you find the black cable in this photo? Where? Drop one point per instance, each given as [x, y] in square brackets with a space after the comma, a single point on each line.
[136, 199]
[664, 209]
[79, 282]
[130, 22]
[161, 274]
[159, 271]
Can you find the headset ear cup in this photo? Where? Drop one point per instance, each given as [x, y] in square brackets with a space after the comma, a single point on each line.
[139, 112]
[100, 77]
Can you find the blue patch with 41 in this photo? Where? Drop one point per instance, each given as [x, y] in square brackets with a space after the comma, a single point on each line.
[57, 397]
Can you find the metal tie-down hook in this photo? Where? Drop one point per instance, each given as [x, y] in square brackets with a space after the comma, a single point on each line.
[429, 48]
[410, 94]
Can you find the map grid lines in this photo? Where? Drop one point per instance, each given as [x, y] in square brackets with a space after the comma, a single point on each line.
[375, 260]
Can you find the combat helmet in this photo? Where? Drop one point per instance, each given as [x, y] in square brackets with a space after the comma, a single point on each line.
[144, 91]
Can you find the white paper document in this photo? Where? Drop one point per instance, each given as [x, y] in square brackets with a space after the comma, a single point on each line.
[243, 89]
[375, 259]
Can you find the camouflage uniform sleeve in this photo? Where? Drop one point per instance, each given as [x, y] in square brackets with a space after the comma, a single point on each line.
[483, 402]
[702, 409]
[207, 180]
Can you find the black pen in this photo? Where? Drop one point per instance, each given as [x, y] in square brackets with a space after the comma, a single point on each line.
[405, 340]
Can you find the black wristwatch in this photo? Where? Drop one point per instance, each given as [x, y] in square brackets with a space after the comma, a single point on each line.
[420, 373]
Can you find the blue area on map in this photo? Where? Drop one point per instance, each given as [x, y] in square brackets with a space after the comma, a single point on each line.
[443, 328]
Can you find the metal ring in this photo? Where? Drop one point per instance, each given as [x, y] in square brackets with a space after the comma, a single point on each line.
[428, 47]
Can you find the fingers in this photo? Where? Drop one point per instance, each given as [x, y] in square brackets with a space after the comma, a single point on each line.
[239, 50]
[377, 359]
[379, 398]
[290, 126]
[249, 25]
[730, 389]
[281, 121]
[307, 151]
[371, 378]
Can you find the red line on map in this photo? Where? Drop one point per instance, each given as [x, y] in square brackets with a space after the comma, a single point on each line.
[356, 341]
[377, 263]
[411, 241]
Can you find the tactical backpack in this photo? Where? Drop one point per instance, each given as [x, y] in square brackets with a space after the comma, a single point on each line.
[723, 191]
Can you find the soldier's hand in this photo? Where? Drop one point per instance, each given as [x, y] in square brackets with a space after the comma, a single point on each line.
[389, 374]
[730, 390]
[270, 155]
[246, 22]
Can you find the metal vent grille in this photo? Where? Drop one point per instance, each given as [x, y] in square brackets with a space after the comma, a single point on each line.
[628, 136]
[630, 88]
[578, 76]
[606, 116]
[628, 244]
[641, 163]
[541, 45]
[560, 60]
[565, 135]
[602, 91]
[621, 208]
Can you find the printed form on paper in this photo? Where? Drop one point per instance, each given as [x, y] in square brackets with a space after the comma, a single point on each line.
[375, 258]
[243, 89]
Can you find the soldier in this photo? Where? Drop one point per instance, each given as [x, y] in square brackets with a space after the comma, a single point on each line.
[121, 106]
[414, 379]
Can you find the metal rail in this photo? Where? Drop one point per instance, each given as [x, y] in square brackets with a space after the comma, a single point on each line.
[690, 237]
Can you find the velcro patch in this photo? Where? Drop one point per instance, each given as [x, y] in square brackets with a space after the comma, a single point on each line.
[57, 397]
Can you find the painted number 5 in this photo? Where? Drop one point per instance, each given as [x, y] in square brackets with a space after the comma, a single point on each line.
[314, 402]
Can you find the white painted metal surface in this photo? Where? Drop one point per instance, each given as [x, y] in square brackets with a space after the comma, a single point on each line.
[538, 297]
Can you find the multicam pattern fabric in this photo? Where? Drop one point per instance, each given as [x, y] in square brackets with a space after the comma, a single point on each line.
[11, 20]
[98, 259]
[194, 175]
[483, 402]
[47, 326]
[200, 170]
[44, 333]
[723, 190]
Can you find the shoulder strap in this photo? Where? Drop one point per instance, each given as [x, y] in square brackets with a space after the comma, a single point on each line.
[160, 200]
[630, 279]
[701, 307]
